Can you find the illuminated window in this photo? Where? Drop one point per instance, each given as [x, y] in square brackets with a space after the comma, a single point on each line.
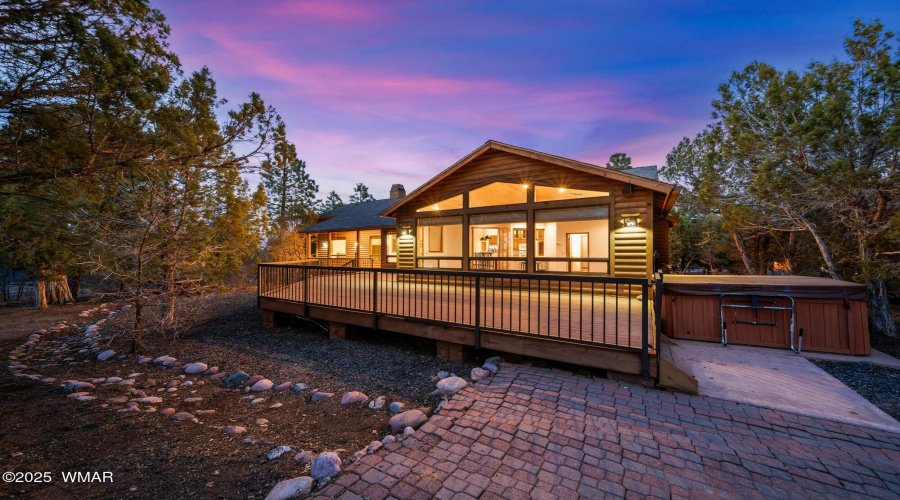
[498, 193]
[544, 193]
[339, 247]
[454, 203]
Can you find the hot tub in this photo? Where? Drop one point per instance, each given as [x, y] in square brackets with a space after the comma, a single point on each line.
[830, 315]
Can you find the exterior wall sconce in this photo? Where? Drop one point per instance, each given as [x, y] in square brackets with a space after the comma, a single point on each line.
[630, 220]
[405, 230]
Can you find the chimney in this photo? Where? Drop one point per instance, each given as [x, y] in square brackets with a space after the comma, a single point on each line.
[397, 191]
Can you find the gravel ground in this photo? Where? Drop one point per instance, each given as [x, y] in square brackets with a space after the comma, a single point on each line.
[879, 385]
[885, 344]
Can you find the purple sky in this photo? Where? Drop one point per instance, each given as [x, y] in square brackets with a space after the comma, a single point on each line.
[395, 91]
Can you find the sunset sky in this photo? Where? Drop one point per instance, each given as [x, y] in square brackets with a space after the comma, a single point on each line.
[395, 91]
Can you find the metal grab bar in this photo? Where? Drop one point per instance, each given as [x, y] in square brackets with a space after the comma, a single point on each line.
[755, 306]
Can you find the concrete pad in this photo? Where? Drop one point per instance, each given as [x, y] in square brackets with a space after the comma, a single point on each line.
[876, 358]
[779, 379]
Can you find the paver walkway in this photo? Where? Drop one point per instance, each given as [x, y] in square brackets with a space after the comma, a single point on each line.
[541, 433]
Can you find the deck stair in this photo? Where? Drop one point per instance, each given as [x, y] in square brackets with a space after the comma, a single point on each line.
[675, 370]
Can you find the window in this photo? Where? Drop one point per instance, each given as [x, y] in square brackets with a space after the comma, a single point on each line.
[572, 240]
[544, 193]
[439, 242]
[498, 193]
[453, 203]
[392, 247]
[498, 241]
[339, 247]
[375, 248]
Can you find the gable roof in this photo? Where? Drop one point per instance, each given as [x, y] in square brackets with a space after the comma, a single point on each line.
[364, 215]
[640, 176]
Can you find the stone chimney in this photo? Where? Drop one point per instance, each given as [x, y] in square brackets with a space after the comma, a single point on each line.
[397, 191]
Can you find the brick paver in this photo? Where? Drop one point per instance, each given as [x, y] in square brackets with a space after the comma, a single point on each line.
[542, 433]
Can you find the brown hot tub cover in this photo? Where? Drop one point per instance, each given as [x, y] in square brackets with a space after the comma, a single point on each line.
[794, 286]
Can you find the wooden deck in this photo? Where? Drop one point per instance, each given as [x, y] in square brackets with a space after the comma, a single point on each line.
[578, 315]
[590, 321]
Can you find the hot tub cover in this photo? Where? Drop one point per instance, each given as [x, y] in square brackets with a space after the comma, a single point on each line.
[798, 287]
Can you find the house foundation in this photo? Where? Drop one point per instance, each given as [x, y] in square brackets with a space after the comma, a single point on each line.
[458, 353]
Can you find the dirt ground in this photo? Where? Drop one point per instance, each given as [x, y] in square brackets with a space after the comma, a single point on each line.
[151, 456]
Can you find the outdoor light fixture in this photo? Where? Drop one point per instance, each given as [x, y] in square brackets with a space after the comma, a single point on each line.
[630, 220]
[525, 186]
[562, 190]
[437, 207]
[406, 230]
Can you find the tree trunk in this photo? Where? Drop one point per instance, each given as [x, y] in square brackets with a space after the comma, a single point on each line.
[823, 248]
[168, 299]
[40, 290]
[745, 255]
[880, 308]
[59, 290]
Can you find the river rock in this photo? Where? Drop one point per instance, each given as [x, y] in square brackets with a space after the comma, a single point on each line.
[117, 400]
[75, 395]
[354, 397]
[127, 382]
[262, 421]
[411, 418]
[451, 385]
[236, 379]
[211, 371]
[113, 380]
[299, 387]
[374, 446]
[254, 379]
[277, 452]
[443, 374]
[494, 369]
[76, 386]
[320, 396]
[283, 387]
[233, 430]
[395, 407]
[152, 400]
[192, 400]
[377, 403]
[195, 368]
[143, 359]
[494, 360]
[326, 465]
[168, 412]
[304, 457]
[218, 376]
[297, 488]
[106, 355]
[181, 416]
[389, 439]
[479, 374]
[261, 385]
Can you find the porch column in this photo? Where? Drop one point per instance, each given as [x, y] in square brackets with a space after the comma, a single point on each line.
[529, 232]
[465, 232]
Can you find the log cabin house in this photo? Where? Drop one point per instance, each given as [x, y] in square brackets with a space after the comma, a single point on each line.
[506, 208]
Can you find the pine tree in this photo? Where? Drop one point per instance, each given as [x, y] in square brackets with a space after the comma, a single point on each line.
[361, 194]
[290, 190]
[619, 161]
[332, 201]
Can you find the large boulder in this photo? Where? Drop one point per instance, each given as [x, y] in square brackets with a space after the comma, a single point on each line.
[451, 385]
[411, 418]
[195, 368]
[354, 397]
[326, 465]
[299, 487]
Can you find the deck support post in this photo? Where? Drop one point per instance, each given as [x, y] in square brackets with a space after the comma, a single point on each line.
[341, 331]
[477, 312]
[275, 319]
[450, 351]
[645, 340]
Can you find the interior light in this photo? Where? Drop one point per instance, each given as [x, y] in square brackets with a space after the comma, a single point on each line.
[562, 190]
[525, 186]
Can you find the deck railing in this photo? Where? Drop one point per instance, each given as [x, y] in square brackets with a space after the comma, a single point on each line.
[594, 310]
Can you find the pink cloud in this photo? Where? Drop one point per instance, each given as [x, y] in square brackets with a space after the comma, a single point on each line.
[336, 12]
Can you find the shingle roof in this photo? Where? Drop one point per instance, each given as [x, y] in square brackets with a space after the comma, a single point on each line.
[364, 215]
[650, 172]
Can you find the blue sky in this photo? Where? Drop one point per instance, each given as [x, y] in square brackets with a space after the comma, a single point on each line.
[395, 91]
